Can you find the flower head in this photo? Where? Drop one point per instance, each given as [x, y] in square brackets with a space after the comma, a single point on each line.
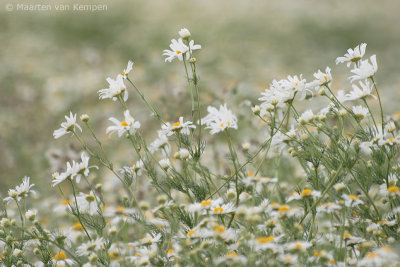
[353, 55]
[127, 70]
[219, 120]
[365, 70]
[67, 127]
[128, 125]
[115, 88]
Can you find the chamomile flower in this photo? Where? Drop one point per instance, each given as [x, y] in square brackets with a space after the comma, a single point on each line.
[115, 88]
[322, 78]
[85, 249]
[21, 191]
[161, 143]
[82, 168]
[178, 50]
[361, 92]
[353, 55]
[87, 203]
[360, 112]
[306, 117]
[365, 70]
[67, 127]
[129, 125]
[219, 120]
[127, 70]
[306, 193]
[61, 259]
[178, 127]
[351, 200]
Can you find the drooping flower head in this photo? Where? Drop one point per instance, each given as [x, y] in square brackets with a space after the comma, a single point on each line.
[67, 127]
[116, 88]
[366, 69]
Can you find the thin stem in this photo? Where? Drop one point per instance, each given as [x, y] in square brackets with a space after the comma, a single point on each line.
[379, 100]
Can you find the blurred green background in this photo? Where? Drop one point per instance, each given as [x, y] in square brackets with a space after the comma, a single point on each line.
[55, 61]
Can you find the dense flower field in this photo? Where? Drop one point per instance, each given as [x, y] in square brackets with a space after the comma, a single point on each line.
[317, 188]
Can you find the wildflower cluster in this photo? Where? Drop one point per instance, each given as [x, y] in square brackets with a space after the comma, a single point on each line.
[319, 188]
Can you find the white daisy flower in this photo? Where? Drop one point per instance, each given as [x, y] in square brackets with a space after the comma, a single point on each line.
[116, 88]
[67, 127]
[87, 203]
[219, 120]
[306, 193]
[128, 125]
[161, 143]
[85, 249]
[353, 55]
[165, 163]
[61, 260]
[179, 126]
[360, 112]
[178, 50]
[127, 70]
[306, 117]
[351, 200]
[363, 91]
[20, 191]
[322, 79]
[365, 69]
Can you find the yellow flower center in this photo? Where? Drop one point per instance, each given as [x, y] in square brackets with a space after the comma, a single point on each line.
[66, 202]
[176, 124]
[77, 227]
[353, 197]
[190, 233]
[346, 235]
[306, 193]
[372, 255]
[298, 245]
[316, 254]
[124, 123]
[113, 255]
[178, 52]
[218, 209]
[232, 254]
[219, 229]
[265, 239]
[60, 256]
[170, 251]
[206, 203]
[393, 189]
[284, 208]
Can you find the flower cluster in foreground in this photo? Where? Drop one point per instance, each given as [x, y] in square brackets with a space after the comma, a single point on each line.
[314, 188]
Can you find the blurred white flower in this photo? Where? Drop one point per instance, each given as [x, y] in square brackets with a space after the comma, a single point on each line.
[20, 191]
[359, 93]
[180, 127]
[127, 70]
[178, 50]
[116, 88]
[352, 55]
[184, 33]
[67, 127]
[128, 125]
[219, 120]
[365, 69]
[360, 111]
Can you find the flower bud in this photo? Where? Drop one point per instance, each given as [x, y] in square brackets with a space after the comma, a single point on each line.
[256, 110]
[85, 117]
[184, 33]
[192, 60]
